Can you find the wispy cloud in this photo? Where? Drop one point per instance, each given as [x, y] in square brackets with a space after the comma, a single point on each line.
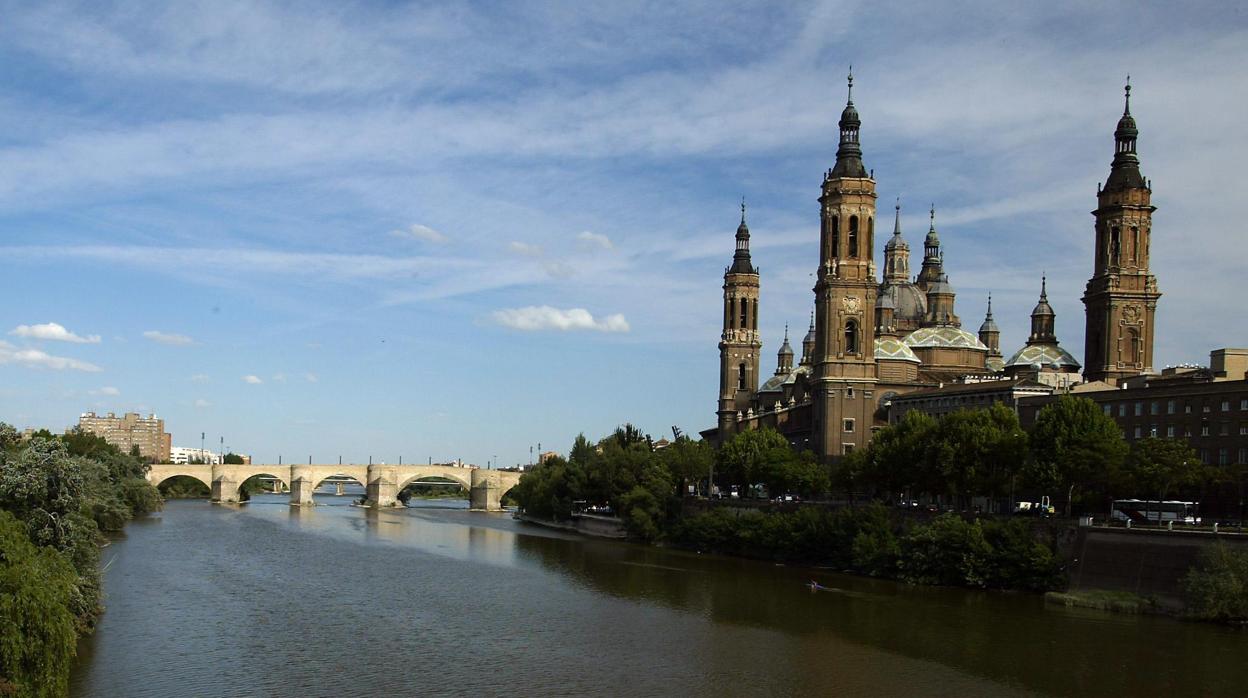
[524, 249]
[53, 332]
[420, 232]
[591, 240]
[202, 403]
[173, 340]
[544, 317]
[311, 377]
[251, 379]
[34, 358]
[107, 390]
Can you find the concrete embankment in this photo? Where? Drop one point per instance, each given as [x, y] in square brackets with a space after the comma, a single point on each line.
[1148, 563]
[584, 524]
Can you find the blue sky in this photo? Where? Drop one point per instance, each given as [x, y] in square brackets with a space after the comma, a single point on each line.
[457, 230]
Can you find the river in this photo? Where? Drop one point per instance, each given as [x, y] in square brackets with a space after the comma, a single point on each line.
[271, 600]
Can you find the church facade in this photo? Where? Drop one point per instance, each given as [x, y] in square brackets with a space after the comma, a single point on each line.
[876, 334]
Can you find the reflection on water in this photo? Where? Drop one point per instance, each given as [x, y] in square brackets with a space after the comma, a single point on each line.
[268, 599]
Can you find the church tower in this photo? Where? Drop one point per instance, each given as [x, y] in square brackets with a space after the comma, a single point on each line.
[845, 293]
[933, 259]
[1121, 297]
[990, 336]
[784, 357]
[739, 345]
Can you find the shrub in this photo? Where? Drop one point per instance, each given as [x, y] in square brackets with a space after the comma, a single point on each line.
[1217, 587]
[948, 551]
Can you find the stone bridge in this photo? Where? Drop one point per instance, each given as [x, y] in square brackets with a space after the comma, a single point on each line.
[382, 482]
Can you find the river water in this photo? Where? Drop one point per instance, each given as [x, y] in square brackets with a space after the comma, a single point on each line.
[271, 600]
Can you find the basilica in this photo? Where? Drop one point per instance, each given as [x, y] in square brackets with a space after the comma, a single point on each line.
[872, 339]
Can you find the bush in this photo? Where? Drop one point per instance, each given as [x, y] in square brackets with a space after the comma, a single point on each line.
[949, 551]
[37, 629]
[1217, 588]
[1018, 560]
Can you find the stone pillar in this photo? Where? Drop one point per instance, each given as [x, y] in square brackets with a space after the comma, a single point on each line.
[301, 484]
[383, 486]
[486, 491]
[224, 486]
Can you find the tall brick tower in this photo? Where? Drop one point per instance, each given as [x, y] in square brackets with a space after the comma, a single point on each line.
[845, 293]
[739, 345]
[1121, 297]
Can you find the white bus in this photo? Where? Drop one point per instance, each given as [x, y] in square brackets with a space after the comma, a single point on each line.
[1140, 511]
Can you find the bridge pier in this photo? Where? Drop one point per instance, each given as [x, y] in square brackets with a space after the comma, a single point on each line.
[224, 488]
[301, 486]
[486, 492]
[383, 486]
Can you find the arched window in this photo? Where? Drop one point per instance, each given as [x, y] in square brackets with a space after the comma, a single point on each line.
[754, 314]
[745, 313]
[1115, 246]
[853, 236]
[1136, 352]
[1135, 243]
[836, 236]
[851, 337]
[870, 234]
[741, 376]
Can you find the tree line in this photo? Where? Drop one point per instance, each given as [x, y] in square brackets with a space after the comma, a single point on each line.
[58, 494]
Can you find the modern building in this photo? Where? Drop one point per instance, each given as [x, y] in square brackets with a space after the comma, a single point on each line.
[874, 340]
[1208, 406]
[131, 430]
[181, 455]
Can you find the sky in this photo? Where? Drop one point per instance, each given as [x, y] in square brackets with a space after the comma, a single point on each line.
[461, 230]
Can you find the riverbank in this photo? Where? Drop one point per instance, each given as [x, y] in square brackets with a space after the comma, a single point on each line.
[584, 524]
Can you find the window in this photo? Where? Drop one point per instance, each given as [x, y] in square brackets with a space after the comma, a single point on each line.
[849, 393]
[1109, 410]
[1223, 457]
[1243, 429]
[847, 449]
[1122, 409]
[851, 337]
[1226, 405]
[1204, 456]
[1204, 409]
[1187, 408]
[1204, 429]
[1243, 403]
[849, 426]
[1114, 246]
[1225, 429]
[1154, 407]
[1139, 409]
[1170, 407]
[836, 236]
[1170, 432]
[853, 236]
[741, 376]
[1137, 432]
[1243, 455]
[1152, 430]
[745, 313]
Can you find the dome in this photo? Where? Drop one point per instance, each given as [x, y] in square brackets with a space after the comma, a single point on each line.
[995, 364]
[909, 302]
[954, 337]
[1048, 355]
[885, 300]
[894, 349]
[773, 384]
[989, 325]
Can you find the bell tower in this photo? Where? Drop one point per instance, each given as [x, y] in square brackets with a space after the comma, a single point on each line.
[739, 345]
[845, 294]
[1121, 297]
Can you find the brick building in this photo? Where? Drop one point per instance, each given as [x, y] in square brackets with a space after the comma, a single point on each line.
[131, 430]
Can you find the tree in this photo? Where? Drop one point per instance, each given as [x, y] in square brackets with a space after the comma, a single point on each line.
[232, 459]
[9, 438]
[688, 460]
[1157, 466]
[742, 458]
[1074, 445]
[977, 451]
[896, 460]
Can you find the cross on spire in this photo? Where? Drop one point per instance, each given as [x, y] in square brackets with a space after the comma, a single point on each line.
[851, 83]
[1127, 110]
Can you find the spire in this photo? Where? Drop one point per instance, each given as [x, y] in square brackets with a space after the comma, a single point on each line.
[1042, 318]
[808, 343]
[989, 325]
[784, 357]
[897, 218]
[1125, 171]
[849, 152]
[741, 263]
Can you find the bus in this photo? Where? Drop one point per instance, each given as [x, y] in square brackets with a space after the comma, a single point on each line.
[1139, 511]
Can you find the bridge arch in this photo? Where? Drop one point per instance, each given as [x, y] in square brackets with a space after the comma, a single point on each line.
[320, 478]
[433, 478]
[159, 478]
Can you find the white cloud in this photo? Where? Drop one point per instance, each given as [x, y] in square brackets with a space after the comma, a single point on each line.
[106, 390]
[559, 270]
[590, 240]
[311, 377]
[54, 332]
[202, 403]
[544, 317]
[173, 340]
[35, 358]
[252, 379]
[420, 232]
[524, 249]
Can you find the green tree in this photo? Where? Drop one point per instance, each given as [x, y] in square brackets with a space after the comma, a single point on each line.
[37, 626]
[232, 459]
[1074, 446]
[976, 452]
[1217, 588]
[744, 458]
[1155, 467]
[9, 438]
[688, 461]
[896, 461]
